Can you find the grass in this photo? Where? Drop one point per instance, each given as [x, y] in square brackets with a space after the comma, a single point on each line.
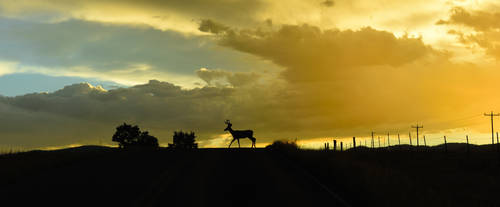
[396, 176]
[408, 176]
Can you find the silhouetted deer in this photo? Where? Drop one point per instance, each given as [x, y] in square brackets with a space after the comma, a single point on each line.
[238, 134]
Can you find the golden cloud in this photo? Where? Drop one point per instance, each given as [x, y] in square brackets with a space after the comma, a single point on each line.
[347, 80]
[485, 25]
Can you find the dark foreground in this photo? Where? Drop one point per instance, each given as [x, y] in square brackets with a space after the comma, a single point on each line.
[101, 176]
[207, 177]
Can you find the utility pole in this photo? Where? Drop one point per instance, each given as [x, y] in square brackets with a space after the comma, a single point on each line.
[417, 127]
[491, 115]
[399, 140]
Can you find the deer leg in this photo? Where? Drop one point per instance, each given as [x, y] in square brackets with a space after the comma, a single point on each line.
[239, 143]
[231, 143]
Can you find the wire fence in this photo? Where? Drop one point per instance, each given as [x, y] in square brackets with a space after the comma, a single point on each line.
[417, 138]
[407, 142]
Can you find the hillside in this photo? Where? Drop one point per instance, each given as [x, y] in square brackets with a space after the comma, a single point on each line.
[253, 177]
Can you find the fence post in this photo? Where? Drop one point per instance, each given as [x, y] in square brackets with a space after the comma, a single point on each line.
[409, 135]
[467, 138]
[354, 143]
[334, 145]
[417, 141]
[399, 140]
[411, 145]
[445, 145]
[498, 149]
[388, 141]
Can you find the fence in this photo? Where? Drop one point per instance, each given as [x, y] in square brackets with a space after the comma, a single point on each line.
[444, 143]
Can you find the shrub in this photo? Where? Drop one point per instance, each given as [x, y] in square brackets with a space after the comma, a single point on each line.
[283, 145]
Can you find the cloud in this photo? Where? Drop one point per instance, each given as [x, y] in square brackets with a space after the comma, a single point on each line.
[82, 113]
[479, 20]
[95, 45]
[485, 26]
[175, 15]
[220, 78]
[334, 81]
[347, 81]
[10, 84]
[183, 16]
[328, 3]
[47, 119]
[7, 67]
[372, 98]
[310, 54]
[128, 54]
[210, 26]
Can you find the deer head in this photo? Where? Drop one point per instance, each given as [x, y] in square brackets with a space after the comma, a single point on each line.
[228, 125]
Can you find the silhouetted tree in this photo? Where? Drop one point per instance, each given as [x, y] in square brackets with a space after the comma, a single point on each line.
[127, 135]
[147, 140]
[184, 140]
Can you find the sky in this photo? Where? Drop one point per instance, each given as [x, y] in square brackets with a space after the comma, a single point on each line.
[315, 70]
